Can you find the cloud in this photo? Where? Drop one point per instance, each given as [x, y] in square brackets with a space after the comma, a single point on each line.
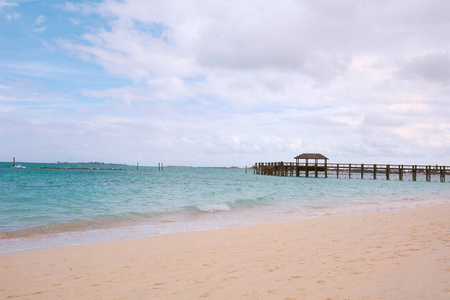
[8, 6]
[12, 16]
[202, 82]
[433, 67]
[37, 27]
[40, 19]
[6, 3]
[328, 63]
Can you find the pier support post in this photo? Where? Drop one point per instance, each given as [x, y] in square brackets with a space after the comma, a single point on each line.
[349, 171]
[14, 162]
[306, 169]
[337, 171]
[400, 172]
[414, 173]
[316, 171]
[362, 171]
[326, 169]
[388, 171]
[137, 166]
[375, 172]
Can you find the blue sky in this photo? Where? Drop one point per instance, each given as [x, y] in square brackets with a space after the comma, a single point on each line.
[214, 83]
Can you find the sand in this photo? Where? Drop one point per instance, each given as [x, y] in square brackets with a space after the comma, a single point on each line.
[396, 254]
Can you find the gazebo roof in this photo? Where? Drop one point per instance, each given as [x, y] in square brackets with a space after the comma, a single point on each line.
[311, 156]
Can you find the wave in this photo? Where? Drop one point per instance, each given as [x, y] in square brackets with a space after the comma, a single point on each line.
[210, 208]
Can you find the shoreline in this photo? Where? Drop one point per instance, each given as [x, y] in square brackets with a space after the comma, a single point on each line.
[76, 234]
[390, 254]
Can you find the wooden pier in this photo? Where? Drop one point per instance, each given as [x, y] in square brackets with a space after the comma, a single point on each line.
[350, 170]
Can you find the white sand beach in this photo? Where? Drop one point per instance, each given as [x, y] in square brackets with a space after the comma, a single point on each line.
[395, 254]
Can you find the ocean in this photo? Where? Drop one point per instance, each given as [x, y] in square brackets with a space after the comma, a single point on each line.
[48, 205]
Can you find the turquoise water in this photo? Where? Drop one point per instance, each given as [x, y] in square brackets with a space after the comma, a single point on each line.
[44, 205]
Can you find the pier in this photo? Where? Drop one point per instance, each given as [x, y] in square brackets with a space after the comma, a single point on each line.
[321, 168]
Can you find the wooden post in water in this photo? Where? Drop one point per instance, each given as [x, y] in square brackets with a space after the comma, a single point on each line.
[388, 171]
[362, 171]
[137, 166]
[414, 172]
[428, 173]
[349, 171]
[400, 172]
[14, 162]
[337, 171]
[316, 171]
[374, 172]
[443, 173]
[326, 169]
[306, 169]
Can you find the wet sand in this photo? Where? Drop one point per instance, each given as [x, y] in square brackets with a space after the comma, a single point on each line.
[396, 254]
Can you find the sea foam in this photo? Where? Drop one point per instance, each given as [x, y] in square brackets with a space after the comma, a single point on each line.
[213, 207]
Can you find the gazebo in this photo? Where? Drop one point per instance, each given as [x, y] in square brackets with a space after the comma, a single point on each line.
[316, 157]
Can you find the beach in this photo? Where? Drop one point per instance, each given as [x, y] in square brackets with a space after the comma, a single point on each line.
[391, 254]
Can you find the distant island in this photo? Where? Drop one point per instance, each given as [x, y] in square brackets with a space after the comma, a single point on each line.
[90, 163]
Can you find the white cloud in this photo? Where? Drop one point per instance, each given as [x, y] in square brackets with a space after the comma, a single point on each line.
[265, 80]
[6, 3]
[40, 19]
[12, 16]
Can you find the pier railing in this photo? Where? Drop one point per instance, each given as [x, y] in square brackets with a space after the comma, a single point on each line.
[348, 170]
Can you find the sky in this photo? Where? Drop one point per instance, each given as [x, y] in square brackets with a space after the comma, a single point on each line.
[225, 83]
